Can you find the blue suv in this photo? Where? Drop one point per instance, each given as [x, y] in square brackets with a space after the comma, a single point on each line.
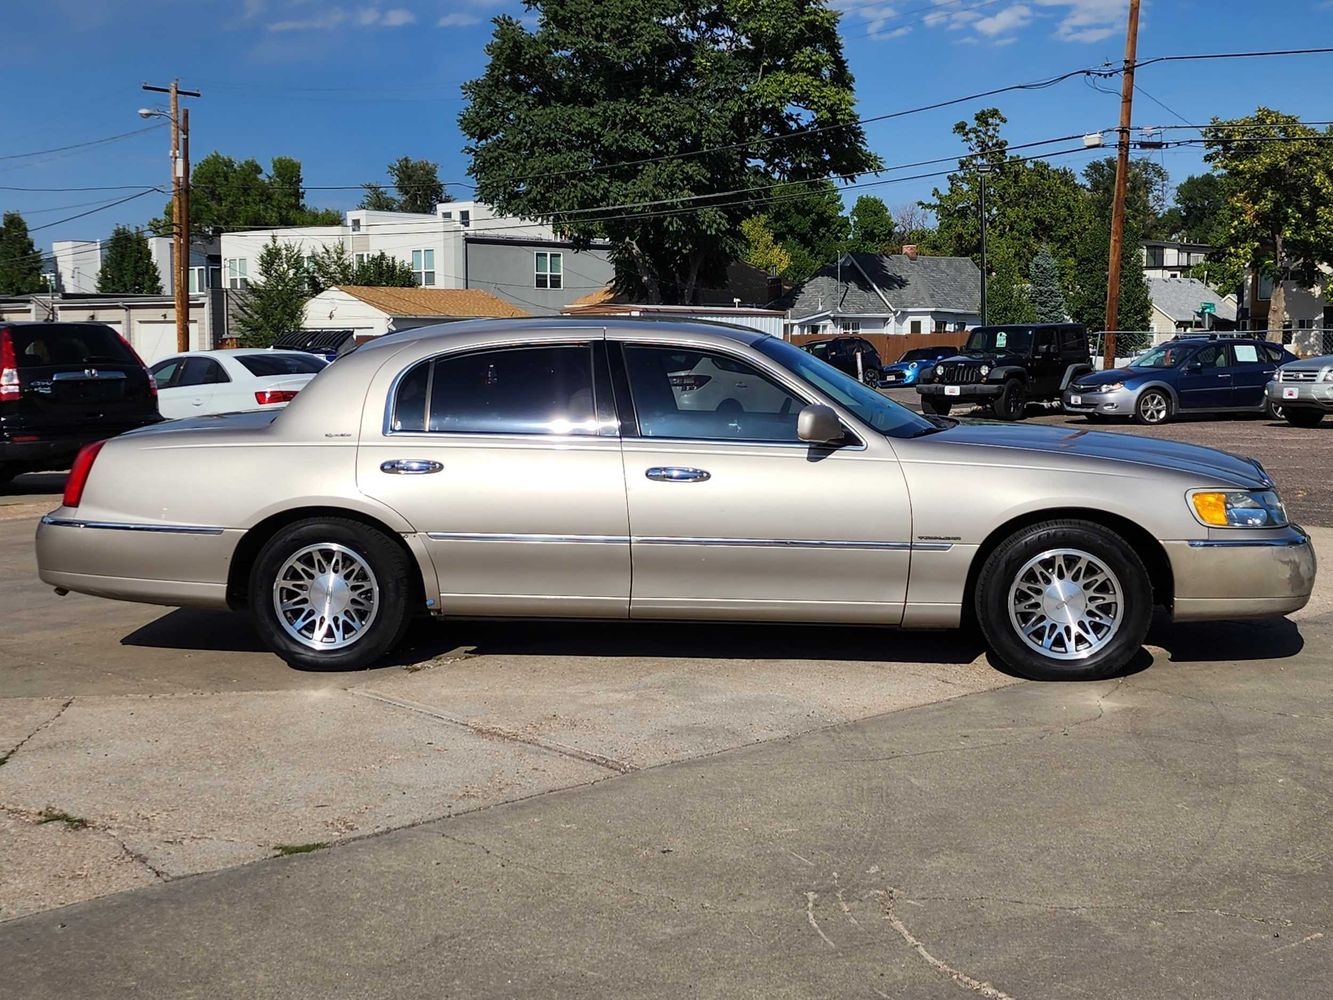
[1206, 374]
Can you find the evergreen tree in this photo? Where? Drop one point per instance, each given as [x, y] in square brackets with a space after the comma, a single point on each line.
[20, 263]
[873, 229]
[1048, 301]
[127, 267]
[275, 303]
[384, 271]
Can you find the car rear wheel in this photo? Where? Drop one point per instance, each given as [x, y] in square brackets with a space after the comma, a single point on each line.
[1012, 403]
[1302, 416]
[1064, 600]
[1152, 408]
[939, 407]
[331, 594]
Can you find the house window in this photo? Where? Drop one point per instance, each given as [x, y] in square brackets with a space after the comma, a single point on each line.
[464, 217]
[423, 266]
[960, 328]
[1265, 288]
[238, 273]
[851, 326]
[446, 215]
[356, 225]
[916, 326]
[549, 270]
[360, 258]
[1156, 256]
[940, 326]
[198, 279]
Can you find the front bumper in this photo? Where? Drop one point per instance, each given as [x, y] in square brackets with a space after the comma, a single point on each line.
[1117, 403]
[972, 393]
[1313, 395]
[894, 379]
[1242, 574]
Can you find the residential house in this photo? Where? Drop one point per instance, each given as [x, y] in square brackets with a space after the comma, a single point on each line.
[604, 304]
[1172, 258]
[374, 311]
[1180, 305]
[894, 294]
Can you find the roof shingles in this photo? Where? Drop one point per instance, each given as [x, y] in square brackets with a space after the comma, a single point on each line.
[469, 303]
[944, 283]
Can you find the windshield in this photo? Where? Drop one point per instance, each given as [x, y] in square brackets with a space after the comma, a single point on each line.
[920, 354]
[999, 338]
[820, 349]
[1167, 356]
[878, 411]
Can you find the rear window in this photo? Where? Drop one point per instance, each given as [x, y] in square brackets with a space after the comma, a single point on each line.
[261, 365]
[66, 344]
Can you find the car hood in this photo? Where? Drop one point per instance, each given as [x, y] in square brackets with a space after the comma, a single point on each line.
[1054, 442]
[992, 358]
[1113, 375]
[902, 366]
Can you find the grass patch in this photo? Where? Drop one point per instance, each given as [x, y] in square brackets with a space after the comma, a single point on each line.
[285, 850]
[50, 815]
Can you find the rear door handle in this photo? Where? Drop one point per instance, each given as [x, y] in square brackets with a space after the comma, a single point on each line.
[410, 466]
[676, 474]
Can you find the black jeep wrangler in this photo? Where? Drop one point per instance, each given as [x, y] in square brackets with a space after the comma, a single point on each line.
[1008, 367]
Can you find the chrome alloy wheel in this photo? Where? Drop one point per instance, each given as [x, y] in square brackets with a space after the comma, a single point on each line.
[326, 596]
[1066, 604]
[1153, 408]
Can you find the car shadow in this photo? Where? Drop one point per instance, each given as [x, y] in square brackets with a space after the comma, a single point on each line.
[191, 629]
[34, 483]
[1195, 642]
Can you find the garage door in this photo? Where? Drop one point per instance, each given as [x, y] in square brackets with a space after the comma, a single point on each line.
[156, 339]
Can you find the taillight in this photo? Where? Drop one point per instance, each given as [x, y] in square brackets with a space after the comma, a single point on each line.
[152, 382]
[266, 396]
[689, 382]
[10, 389]
[152, 385]
[78, 473]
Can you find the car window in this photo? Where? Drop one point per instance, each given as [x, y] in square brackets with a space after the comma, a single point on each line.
[1247, 354]
[164, 370]
[1212, 356]
[1044, 342]
[704, 395]
[1167, 356]
[201, 371]
[68, 344]
[1071, 342]
[1272, 353]
[263, 365]
[997, 338]
[528, 390]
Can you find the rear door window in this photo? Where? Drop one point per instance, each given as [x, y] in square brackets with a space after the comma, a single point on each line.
[201, 371]
[164, 371]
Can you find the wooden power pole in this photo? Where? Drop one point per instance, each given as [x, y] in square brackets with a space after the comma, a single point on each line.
[1121, 185]
[180, 207]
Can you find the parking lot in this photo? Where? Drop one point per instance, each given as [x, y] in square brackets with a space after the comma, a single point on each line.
[714, 810]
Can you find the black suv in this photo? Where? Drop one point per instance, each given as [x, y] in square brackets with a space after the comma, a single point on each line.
[64, 385]
[841, 353]
[1008, 367]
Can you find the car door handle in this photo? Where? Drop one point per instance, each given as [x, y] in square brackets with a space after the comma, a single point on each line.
[410, 466]
[1224, 374]
[675, 474]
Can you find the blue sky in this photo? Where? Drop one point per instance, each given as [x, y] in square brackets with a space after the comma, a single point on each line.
[348, 85]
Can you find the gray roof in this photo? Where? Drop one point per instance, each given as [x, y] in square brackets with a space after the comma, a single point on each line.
[952, 283]
[1180, 298]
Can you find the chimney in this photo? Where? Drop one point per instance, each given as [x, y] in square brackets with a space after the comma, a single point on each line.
[910, 251]
[774, 287]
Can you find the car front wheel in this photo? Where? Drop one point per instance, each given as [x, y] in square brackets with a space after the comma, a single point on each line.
[1064, 600]
[1153, 407]
[1012, 402]
[331, 594]
[1300, 416]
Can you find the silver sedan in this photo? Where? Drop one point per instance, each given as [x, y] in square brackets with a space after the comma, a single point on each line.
[684, 471]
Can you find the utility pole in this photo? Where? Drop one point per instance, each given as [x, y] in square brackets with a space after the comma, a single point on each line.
[180, 210]
[1121, 184]
[983, 169]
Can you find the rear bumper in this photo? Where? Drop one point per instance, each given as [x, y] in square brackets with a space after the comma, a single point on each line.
[1257, 575]
[44, 448]
[1313, 395]
[1119, 403]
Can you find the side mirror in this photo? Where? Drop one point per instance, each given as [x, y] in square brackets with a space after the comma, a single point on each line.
[819, 425]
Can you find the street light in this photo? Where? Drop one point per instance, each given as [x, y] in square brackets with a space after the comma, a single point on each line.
[983, 169]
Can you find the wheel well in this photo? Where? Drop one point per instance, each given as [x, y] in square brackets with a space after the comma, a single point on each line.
[1149, 549]
[247, 550]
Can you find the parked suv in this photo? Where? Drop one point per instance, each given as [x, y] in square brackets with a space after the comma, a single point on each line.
[841, 353]
[63, 385]
[1008, 367]
[1302, 391]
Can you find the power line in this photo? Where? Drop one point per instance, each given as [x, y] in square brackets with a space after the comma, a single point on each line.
[91, 211]
[1233, 55]
[81, 145]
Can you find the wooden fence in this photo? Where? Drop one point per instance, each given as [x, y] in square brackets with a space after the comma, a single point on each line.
[891, 346]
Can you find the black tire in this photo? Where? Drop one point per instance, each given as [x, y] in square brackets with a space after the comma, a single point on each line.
[999, 576]
[939, 407]
[1302, 416]
[392, 572]
[1153, 408]
[1012, 403]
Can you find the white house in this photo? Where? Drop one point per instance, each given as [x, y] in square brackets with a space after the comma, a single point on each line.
[375, 311]
[77, 264]
[1180, 305]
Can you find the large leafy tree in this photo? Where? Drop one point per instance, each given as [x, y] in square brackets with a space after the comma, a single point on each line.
[633, 120]
[1092, 251]
[1198, 215]
[127, 267]
[20, 262]
[762, 250]
[229, 194]
[418, 185]
[1146, 195]
[333, 265]
[807, 219]
[873, 228]
[275, 303]
[1278, 183]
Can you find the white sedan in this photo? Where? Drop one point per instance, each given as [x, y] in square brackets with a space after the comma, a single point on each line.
[206, 382]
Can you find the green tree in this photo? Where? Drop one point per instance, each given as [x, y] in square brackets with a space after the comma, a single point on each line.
[762, 250]
[382, 270]
[127, 267]
[275, 303]
[1087, 304]
[229, 194]
[1198, 215]
[20, 262]
[418, 185]
[807, 219]
[654, 106]
[873, 229]
[376, 199]
[331, 265]
[1048, 301]
[1278, 182]
[1145, 195]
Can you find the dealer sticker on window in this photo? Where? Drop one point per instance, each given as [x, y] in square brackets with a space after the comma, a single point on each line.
[953, 390]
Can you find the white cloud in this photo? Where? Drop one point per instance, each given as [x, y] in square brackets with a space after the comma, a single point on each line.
[1075, 20]
[881, 20]
[1088, 20]
[337, 17]
[1005, 22]
[458, 19]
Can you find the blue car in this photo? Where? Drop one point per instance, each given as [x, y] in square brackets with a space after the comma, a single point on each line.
[909, 367]
[1208, 374]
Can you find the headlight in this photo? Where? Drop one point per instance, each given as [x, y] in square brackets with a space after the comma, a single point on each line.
[1327, 376]
[1241, 509]
[985, 370]
[1112, 387]
[939, 370]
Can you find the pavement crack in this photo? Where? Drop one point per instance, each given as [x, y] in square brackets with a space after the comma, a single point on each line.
[957, 975]
[1110, 907]
[49, 815]
[810, 898]
[500, 733]
[4, 758]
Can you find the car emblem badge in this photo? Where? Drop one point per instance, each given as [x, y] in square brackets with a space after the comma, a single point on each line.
[90, 372]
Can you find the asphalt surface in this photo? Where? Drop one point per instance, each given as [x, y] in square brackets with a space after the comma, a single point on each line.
[663, 812]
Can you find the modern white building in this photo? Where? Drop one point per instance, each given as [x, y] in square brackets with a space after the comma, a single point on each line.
[76, 264]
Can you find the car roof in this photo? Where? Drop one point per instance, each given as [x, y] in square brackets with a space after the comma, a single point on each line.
[235, 352]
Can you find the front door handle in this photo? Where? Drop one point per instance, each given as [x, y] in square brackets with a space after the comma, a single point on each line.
[675, 474]
[410, 466]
